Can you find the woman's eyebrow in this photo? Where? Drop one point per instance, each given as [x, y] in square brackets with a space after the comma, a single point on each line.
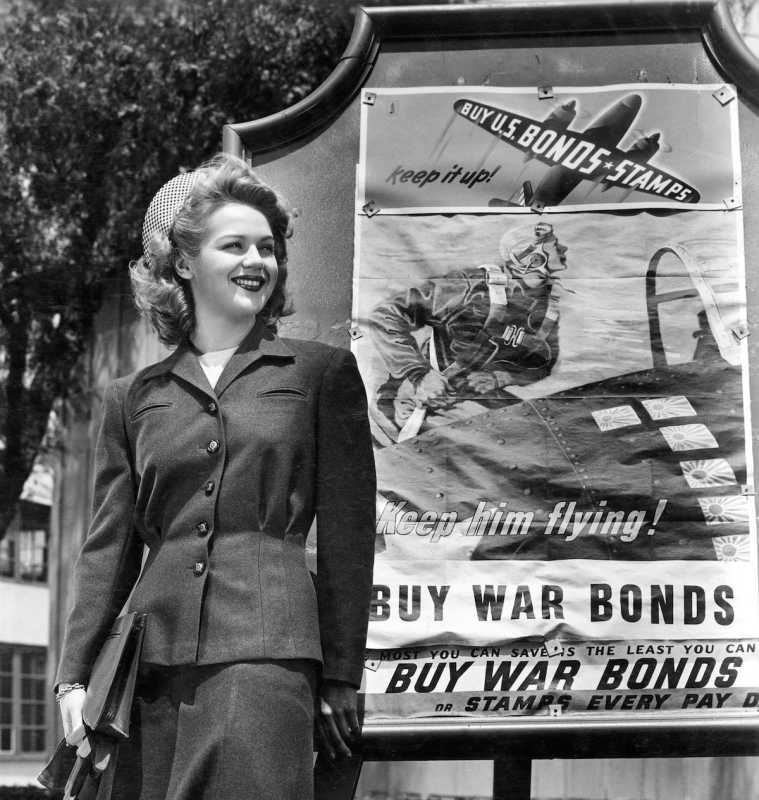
[243, 236]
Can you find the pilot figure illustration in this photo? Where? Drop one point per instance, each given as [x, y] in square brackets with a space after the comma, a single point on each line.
[490, 327]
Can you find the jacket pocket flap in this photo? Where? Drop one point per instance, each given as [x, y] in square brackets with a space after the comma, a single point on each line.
[284, 392]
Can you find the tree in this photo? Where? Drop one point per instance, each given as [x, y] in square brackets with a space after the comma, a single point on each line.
[99, 105]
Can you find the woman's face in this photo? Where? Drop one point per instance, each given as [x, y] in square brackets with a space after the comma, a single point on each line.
[235, 273]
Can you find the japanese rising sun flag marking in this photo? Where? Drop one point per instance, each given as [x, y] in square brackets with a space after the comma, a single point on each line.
[608, 419]
[724, 510]
[668, 407]
[688, 437]
[732, 548]
[707, 472]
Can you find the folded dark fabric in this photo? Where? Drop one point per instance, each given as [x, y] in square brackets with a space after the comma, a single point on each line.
[57, 770]
[81, 777]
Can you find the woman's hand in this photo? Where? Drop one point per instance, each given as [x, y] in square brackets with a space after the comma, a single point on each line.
[71, 705]
[337, 718]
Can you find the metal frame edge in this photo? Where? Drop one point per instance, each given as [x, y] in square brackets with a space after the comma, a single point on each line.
[375, 25]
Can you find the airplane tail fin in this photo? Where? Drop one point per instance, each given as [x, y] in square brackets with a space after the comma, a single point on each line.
[520, 199]
[528, 192]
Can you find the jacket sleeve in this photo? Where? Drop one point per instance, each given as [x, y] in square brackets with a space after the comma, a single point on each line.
[109, 562]
[345, 514]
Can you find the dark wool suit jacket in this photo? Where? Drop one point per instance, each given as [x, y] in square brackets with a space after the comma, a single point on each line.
[222, 486]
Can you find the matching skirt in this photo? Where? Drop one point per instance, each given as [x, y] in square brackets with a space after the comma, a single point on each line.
[234, 731]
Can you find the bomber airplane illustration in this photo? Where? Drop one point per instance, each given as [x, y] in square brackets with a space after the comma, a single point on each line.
[573, 156]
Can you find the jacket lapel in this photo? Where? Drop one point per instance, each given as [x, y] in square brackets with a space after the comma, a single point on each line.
[187, 367]
[183, 363]
[261, 342]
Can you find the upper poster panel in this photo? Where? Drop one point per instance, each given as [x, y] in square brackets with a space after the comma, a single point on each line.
[490, 149]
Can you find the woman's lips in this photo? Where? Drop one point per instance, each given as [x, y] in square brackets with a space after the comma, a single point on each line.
[251, 283]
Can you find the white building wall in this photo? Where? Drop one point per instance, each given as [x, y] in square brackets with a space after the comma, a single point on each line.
[20, 772]
[24, 614]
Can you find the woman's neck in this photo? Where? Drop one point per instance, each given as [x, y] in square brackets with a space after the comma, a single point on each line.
[210, 336]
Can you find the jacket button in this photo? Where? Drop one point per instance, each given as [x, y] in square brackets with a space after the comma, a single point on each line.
[212, 446]
[199, 568]
[209, 487]
[212, 407]
[202, 528]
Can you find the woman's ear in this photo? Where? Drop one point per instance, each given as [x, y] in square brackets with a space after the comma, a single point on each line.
[182, 269]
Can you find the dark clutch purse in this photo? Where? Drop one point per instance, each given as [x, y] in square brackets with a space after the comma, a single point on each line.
[110, 691]
[107, 706]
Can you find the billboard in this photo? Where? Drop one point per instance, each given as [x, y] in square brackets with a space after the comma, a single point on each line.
[559, 402]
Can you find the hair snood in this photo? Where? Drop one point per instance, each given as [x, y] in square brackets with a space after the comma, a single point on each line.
[174, 228]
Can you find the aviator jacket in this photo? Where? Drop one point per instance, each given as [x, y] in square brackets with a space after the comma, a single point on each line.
[523, 339]
[222, 486]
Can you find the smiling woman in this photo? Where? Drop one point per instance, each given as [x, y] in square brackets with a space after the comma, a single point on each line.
[233, 276]
[218, 459]
[208, 223]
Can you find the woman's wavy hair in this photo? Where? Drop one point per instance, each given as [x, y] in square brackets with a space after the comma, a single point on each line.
[160, 293]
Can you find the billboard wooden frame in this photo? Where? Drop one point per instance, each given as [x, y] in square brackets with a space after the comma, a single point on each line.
[513, 742]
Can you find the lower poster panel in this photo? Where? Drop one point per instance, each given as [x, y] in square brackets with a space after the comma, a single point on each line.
[562, 677]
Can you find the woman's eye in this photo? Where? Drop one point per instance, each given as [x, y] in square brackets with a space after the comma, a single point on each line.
[233, 246]
[266, 250]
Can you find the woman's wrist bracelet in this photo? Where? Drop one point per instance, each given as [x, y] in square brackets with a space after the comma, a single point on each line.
[65, 688]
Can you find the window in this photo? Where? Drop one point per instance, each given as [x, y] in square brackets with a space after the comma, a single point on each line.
[32, 555]
[23, 555]
[8, 555]
[23, 690]
[6, 702]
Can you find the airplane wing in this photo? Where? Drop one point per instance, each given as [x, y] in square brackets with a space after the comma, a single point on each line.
[611, 450]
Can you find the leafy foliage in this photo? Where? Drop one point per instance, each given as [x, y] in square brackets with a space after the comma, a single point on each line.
[100, 104]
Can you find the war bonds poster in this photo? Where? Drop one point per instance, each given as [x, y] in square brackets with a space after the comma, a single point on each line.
[550, 319]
